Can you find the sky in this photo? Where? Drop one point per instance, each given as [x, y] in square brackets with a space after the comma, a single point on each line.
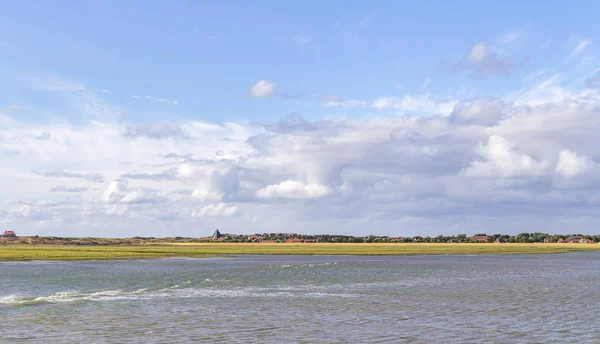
[155, 118]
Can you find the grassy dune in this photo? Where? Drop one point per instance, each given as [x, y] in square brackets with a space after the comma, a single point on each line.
[62, 252]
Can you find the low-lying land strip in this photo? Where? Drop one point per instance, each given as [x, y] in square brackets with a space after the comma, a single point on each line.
[67, 252]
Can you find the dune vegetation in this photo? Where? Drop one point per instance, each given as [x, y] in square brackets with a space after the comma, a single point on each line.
[197, 250]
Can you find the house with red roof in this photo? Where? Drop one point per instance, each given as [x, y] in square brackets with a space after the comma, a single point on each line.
[480, 238]
[9, 234]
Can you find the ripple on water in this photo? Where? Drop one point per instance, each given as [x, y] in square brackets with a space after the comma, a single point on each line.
[311, 299]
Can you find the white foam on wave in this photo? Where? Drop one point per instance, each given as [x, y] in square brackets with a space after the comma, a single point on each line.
[9, 299]
[177, 292]
[64, 296]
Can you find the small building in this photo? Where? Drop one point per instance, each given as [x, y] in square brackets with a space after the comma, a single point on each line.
[311, 240]
[575, 239]
[480, 238]
[499, 240]
[294, 241]
[560, 241]
[548, 240]
[9, 234]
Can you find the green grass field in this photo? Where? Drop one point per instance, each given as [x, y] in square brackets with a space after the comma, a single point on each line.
[47, 252]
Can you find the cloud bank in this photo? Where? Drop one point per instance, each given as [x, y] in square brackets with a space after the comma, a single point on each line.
[483, 165]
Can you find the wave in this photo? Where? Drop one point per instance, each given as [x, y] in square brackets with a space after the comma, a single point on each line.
[174, 291]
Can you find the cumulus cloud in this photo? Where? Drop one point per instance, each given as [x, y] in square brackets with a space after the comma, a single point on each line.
[570, 164]
[119, 191]
[261, 89]
[293, 189]
[429, 168]
[501, 158]
[291, 123]
[30, 212]
[218, 209]
[479, 111]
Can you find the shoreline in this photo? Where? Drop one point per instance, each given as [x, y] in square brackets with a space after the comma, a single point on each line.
[16, 253]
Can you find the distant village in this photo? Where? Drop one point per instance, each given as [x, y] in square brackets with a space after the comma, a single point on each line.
[10, 237]
[461, 238]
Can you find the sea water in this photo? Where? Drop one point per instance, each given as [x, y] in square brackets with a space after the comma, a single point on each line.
[305, 299]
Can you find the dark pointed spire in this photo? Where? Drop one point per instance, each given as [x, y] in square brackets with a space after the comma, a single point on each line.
[216, 235]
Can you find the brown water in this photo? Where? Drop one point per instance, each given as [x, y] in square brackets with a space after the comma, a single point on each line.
[313, 299]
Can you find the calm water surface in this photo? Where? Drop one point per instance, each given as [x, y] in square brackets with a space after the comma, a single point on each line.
[312, 299]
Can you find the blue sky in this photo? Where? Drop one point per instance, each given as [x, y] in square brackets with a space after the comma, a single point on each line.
[204, 55]
[190, 78]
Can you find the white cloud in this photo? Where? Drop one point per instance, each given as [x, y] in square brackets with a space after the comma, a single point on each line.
[293, 189]
[426, 84]
[73, 189]
[501, 158]
[579, 49]
[479, 111]
[30, 212]
[550, 91]
[337, 101]
[571, 165]
[261, 89]
[455, 166]
[484, 62]
[89, 176]
[115, 209]
[219, 209]
[207, 195]
[160, 130]
[416, 105]
[118, 191]
[477, 53]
